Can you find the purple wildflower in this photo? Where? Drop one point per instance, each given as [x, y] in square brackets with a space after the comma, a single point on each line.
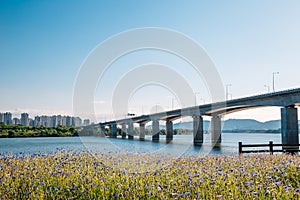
[286, 187]
[249, 183]
[277, 183]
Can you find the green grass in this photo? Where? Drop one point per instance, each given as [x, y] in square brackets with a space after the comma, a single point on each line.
[86, 175]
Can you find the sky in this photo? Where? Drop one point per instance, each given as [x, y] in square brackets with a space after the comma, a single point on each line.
[45, 43]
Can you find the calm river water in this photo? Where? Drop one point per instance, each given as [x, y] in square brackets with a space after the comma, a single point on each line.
[180, 146]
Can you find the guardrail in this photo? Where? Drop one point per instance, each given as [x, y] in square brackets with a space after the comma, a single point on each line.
[294, 148]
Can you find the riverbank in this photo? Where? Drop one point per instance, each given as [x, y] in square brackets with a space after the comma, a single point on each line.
[17, 131]
[88, 175]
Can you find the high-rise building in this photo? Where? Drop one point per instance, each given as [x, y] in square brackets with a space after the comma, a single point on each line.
[64, 121]
[53, 122]
[76, 121]
[37, 121]
[1, 117]
[16, 121]
[7, 118]
[30, 122]
[59, 120]
[86, 122]
[46, 121]
[68, 121]
[25, 119]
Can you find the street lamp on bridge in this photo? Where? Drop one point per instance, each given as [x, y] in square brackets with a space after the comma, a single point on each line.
[156, 107]
[202, 100]
[196, 97]
[227, 93]
[268, 87]
[173, 103]
[274, 73]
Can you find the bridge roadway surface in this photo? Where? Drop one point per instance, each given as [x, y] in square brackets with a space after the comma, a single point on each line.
[288, 100]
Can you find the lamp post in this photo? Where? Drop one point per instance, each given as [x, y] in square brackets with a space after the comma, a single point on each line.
[227, 86]
[156, 107]
[274, 73]
[268, 87]
[172, 103]
[196, 97]
[142, 110]
[203, 100]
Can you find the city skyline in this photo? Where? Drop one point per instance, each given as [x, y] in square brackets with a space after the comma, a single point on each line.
[44, 44]
[48, 121]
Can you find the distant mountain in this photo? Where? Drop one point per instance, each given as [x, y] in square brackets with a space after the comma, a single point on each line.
[243, 124]
[189, 125]
[272, 125]
[236, 124]
[233, 124]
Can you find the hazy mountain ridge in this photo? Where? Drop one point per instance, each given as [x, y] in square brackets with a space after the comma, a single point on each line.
[232, 124]
[236, 124]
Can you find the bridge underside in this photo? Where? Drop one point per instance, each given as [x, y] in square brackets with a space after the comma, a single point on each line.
[289, 118]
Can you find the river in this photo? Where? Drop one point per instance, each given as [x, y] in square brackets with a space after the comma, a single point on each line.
[181, 145]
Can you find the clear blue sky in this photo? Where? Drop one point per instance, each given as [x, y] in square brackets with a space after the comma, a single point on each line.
[43, 43]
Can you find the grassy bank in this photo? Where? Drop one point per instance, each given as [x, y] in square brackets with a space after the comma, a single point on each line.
[10, 131]
[83, 175]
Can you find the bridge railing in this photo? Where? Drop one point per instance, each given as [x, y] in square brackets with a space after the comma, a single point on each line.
[271, 149]
[278, 93]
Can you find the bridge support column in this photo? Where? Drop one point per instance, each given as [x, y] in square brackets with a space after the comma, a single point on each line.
[198, 130]
[289, 128]
[142, 131]
[113, 130]
[169, 130]
[155, 131]
[109, 131]
[130, 131]
[216, 129]
[102, 131]
[123, 132]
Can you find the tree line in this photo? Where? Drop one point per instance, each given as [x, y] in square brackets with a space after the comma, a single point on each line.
[11, 131]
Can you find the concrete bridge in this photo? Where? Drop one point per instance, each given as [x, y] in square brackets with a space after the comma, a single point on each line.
[288, 100]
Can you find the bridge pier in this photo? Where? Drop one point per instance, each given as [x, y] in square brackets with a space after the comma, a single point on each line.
[123, 131]
[130, 131]
[198, 130]
[113, 130]
[216, 129]
[289, 128]
[155, 131]
[169, 130]
[102, 131]
[142, 131]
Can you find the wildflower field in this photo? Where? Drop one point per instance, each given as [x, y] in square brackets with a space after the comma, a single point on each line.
[91, 175]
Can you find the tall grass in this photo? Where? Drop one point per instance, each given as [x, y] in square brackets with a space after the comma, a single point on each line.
[92, 175]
